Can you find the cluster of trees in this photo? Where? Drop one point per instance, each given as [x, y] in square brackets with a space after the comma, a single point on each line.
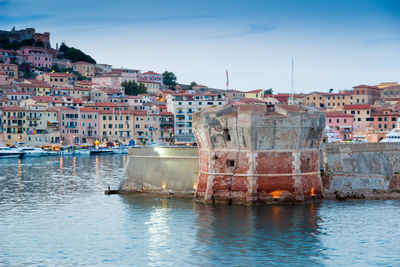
[6, 44]
[74, 54]
[133, 88]
[169, 78]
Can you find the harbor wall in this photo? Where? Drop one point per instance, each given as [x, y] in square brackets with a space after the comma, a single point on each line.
[161, 169]
[360, 167]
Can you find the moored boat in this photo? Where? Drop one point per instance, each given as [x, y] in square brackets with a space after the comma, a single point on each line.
[6, 152]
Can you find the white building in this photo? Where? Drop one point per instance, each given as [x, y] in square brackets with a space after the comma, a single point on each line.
[183, 105]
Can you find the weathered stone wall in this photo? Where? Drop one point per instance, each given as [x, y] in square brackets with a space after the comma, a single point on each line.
[254, 153]
[161, 169]
[351, 167]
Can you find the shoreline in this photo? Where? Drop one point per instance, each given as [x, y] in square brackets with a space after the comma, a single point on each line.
[338, 196]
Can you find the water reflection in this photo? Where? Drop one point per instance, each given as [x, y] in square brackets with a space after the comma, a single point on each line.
[249, 232]
[53, 212]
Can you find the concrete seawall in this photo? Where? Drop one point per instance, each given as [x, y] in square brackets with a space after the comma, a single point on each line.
[352, 167]
[161, 169]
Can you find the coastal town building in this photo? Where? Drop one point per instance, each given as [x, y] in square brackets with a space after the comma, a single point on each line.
[84, 68]
[11, 70]
[79, 125]
[341, 123]
[35, 126]
[36, 56]
[183, 105]
[150, 76]
[57, 79]
[255, 94]
[362, 117]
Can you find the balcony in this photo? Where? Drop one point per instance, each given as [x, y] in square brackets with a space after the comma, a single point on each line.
[33, 118]
[71, 127]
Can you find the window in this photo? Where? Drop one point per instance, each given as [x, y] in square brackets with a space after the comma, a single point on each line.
[226, 135]
[230, 163]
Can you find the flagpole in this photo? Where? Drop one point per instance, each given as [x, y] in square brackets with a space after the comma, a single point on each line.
[227, 79]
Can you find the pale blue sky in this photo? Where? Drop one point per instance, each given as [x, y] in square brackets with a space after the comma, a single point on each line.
[335, 43]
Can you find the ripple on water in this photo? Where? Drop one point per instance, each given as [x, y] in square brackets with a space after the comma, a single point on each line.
[53, 212]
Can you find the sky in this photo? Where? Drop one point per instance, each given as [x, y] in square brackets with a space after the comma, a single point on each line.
[333, 43]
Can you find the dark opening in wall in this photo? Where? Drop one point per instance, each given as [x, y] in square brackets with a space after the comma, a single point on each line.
[230, 163]
[227, 136]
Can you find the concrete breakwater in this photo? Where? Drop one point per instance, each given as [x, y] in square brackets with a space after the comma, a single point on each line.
[161, 170]
[360, 167]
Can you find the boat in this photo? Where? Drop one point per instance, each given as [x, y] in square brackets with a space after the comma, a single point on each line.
[359, 139]
[66, 151]
[82, 152]
[101, 151]
[393, 136]
[6, 152]
[119, 150]
[32, 151]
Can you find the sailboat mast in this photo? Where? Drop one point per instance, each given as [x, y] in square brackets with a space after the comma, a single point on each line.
[291, 102]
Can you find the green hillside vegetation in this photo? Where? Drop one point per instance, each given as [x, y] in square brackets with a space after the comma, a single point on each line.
[6, 44]
[74, 54]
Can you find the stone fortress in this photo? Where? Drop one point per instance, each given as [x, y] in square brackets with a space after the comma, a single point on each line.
[257, 153]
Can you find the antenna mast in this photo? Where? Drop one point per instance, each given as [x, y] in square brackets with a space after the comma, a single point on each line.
[291, 102]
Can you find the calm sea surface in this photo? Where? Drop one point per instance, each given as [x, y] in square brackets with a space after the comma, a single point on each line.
[53, 212]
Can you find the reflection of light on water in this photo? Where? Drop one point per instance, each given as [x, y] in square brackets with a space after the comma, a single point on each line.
[158, 230]
[19, 175]
[123, 161]
[74, 166]
[61, 165]
[97, 164]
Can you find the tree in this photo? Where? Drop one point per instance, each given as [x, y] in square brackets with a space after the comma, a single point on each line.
[74, 54]
[268, 92]
[169, 78]
[331, 90]
[191, 85]
[132, 88]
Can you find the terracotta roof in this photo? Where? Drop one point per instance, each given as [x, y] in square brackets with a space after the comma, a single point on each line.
[17, 93]
[254, 91]
[366, 86]
[88, 110]
[12, 108]
[150, 73]
[337, 114]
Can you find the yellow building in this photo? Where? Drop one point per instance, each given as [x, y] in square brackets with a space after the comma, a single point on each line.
[152, 87]
[84, 68]
[35, 87]
[35, 126]
[57, 79]
[115, 125]
[328, 100]
[255, 94]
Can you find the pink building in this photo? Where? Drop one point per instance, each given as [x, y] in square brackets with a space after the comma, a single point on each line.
[150, 76]
[79, 126]
[4, 79]
[37, 56]
[341, 123]
[112, 79]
